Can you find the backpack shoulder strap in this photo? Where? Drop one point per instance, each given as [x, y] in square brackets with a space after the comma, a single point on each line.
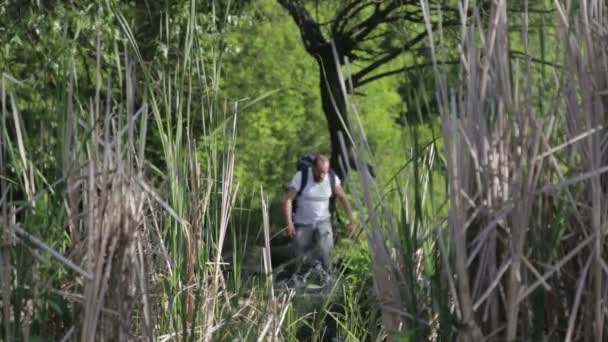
[304, 180]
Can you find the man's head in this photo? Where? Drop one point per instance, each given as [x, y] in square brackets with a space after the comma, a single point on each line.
[320, 168]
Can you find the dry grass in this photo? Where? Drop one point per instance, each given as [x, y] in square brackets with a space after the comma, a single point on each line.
[522, 255]
[498, 151]
[524, 250]
[144, 257]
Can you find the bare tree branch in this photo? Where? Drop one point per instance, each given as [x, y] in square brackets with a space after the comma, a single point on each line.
[389, 56]
[377, 18]
[376, 36]
[523, 55]
[309, 29]
[366, 54]
[400, 70]
[343, 16]
[391, 18]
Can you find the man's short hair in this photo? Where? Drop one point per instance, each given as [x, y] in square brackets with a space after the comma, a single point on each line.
[320, 158]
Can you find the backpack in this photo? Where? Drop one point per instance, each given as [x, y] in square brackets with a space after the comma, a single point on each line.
[304, 164]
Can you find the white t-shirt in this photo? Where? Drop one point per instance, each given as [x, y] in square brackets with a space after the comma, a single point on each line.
[313, 202]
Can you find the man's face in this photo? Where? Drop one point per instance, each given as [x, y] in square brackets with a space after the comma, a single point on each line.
[320, 171]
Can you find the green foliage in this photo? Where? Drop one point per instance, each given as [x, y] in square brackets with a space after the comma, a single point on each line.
[200, 66]
[355, 260]
[352, 320]
[276, 82]
[289, 121]
[379, 105]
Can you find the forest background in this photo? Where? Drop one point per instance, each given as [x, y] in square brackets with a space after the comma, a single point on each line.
[146, 148]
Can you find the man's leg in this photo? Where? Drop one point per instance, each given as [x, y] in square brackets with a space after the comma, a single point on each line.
[325, 243]
[304, 245]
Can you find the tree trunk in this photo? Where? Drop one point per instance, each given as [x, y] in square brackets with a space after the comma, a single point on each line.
[334, 108]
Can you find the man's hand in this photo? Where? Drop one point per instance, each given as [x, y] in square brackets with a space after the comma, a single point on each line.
[352, 230]
[291, 230]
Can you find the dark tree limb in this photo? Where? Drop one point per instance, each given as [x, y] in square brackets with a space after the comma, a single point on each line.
[524, 56]
[343, 16]
[356, 32]
[377, 36]
[310, 30]
[389, 56]
[377, 18]
[399, 70]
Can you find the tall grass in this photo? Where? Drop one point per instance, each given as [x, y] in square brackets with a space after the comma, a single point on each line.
[503, 171]
[521, 254]
[128, 240]
[142, 253]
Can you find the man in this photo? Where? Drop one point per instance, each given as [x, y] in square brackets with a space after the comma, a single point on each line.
[311, 226]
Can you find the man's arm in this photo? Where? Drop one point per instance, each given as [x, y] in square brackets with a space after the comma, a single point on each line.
[339, 192]
[287, 209]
